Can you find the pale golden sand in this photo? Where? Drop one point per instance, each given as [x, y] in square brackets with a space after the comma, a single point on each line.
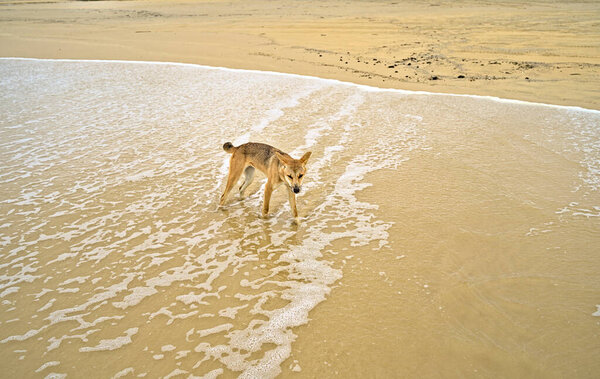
[542, 51]
[440, 236]
[478, 219]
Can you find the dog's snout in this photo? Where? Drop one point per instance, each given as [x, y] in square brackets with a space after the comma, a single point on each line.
[296, 189]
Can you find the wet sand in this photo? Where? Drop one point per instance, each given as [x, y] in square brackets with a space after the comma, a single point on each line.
[542, 51]
[440, 236]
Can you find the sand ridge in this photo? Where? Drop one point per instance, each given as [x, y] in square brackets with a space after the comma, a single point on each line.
[541, 51]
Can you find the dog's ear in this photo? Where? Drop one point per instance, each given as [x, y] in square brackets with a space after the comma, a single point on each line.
[305, 157]
[282, 158]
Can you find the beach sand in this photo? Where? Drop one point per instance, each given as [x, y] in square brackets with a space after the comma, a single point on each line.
[441, 236]
[542, 51]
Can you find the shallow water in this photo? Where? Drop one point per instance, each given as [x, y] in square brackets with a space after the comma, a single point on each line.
[440, 235]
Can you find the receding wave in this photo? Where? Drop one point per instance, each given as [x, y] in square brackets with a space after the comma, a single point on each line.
[113, 249]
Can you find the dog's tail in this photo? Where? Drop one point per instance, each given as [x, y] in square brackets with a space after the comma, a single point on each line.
[228, 147]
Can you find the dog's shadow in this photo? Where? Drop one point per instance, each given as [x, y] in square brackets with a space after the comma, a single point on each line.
[240, 213]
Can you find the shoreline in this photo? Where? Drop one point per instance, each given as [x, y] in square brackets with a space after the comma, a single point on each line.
[415, 205]
[333, 81]
[502, 50]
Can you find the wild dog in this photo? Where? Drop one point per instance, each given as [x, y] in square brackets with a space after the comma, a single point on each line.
[278, 166]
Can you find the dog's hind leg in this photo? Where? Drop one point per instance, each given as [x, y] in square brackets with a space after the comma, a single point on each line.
[249, 176]
[236, 165]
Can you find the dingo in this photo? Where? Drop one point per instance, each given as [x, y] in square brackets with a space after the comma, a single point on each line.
[274, 163]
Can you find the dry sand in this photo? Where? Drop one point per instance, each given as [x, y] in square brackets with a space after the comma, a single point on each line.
[542, 51]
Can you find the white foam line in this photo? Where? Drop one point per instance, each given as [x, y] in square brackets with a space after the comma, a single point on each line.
[46, 365]
[113, 343]
[332, 81]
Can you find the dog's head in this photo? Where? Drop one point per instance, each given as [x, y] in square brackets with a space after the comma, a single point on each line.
[292, 170]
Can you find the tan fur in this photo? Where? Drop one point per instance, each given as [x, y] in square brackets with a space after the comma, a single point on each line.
[278, 166]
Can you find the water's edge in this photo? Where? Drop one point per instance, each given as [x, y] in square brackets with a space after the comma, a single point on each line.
[330, 81]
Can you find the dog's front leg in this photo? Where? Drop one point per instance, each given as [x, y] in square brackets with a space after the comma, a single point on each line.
[292, 198]
[268, 191]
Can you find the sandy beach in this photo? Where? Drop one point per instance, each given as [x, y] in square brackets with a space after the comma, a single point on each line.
[540, 51]
[440, 235]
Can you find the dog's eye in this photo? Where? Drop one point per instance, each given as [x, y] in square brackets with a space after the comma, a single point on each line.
[301, 175]
[289, 176]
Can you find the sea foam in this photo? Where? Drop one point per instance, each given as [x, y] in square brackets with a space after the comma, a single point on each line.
[108, 214]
